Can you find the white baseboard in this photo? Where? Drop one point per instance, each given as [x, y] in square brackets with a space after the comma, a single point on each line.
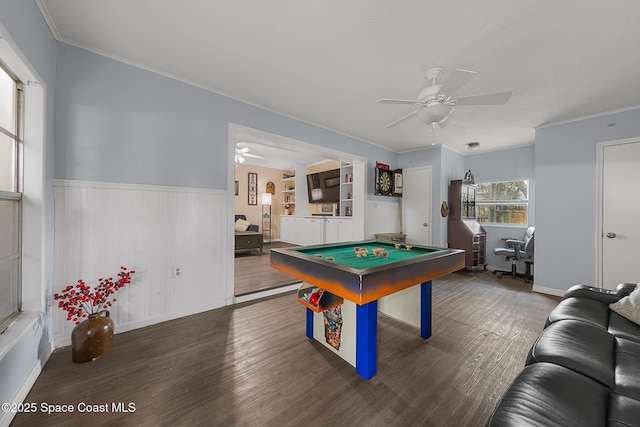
[267, 293]
[548, 291]
[130, 326]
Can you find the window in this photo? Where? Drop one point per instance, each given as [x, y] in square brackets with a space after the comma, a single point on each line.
[10, 197]
[503, 202]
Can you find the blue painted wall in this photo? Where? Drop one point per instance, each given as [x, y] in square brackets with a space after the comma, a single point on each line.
[119, 123]
[565, 169]
[505, 165]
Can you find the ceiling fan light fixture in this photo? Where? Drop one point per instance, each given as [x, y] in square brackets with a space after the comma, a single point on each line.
[436, 113]
[473, 145]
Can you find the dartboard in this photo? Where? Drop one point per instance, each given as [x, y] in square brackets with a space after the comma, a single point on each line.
[384, 181]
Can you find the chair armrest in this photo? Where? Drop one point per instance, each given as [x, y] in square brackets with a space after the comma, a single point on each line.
[515, 243]
[517, 246]
[605, 296]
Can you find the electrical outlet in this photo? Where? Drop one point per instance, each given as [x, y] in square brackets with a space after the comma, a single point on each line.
[176, 272]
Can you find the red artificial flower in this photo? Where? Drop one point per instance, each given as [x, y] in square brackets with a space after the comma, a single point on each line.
[84, 302]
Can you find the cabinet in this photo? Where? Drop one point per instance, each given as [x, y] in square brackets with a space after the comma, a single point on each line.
[289, 193]
[302, 230]
[314, 230]
[463, 231]
[338, 230]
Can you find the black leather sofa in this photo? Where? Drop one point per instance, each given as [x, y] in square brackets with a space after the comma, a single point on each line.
[583, 370]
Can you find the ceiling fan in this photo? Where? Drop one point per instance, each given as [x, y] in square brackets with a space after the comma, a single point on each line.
[243, 151]
[436, 101]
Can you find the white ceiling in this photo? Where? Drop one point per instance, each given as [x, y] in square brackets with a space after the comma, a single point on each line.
[327, 62]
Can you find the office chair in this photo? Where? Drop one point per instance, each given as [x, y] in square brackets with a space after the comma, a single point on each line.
[515, 251]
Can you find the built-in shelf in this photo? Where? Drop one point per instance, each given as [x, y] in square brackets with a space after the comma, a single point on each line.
[289, 193]
[346, 189]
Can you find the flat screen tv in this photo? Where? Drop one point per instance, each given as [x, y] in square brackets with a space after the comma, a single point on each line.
[324, 187]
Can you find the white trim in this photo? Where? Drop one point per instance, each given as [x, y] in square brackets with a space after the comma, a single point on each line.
[267, 293]
[592, 116]
[130, 326]
[133, 187]
[600, 146]
[281, 141]
[21, 394]
[48, 19]
[548, 291]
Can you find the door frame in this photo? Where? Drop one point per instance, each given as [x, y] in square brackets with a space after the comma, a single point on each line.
[599, 232]
[403, 216]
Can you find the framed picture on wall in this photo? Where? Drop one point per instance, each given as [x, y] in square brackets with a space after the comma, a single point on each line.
[253, 189]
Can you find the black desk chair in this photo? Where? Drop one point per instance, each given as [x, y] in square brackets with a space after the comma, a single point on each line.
[515, 251]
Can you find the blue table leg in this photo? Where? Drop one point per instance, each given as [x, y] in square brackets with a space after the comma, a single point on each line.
[366, 339]
[309, 323]
[425, 310]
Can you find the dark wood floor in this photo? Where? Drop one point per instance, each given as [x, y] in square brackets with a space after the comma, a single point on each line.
[252, 272]
[251, 365]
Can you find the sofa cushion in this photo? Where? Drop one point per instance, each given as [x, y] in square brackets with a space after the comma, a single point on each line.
[579, 346]
[584, 309]
[241, 225]
[623, 328]
[544, 394]
[623, 411]
[629, 306]
[626, 374]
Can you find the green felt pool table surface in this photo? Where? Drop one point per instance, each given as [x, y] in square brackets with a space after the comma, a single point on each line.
[344, 254]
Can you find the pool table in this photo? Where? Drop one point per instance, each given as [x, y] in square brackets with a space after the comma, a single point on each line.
[364, 280]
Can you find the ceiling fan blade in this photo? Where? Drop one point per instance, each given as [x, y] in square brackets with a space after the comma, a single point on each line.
[255, 156]
[456, 80]
[397, 101]
[488, 99]
[401, 119]
[242, 150]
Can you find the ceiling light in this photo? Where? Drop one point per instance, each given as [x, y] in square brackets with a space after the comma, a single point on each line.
[436, 113]
[473, 145]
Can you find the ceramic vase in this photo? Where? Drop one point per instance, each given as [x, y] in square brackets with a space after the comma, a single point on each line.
[92, 338]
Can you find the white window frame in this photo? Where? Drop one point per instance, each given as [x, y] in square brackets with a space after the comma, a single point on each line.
[14, 196]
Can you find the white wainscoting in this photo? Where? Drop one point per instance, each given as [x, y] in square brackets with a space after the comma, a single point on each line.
[151, 229]
[381, 217]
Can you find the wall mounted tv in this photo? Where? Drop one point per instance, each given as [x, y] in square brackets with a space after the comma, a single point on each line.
[324, 187]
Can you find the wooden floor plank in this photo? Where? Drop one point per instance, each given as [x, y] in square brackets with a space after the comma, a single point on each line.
[253, 273]
[251, 365]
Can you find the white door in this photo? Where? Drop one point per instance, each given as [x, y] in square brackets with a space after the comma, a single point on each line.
[416, 205]
[620, 214]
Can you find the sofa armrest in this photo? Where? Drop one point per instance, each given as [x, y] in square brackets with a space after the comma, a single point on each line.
[605, 296]
[624, 289]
